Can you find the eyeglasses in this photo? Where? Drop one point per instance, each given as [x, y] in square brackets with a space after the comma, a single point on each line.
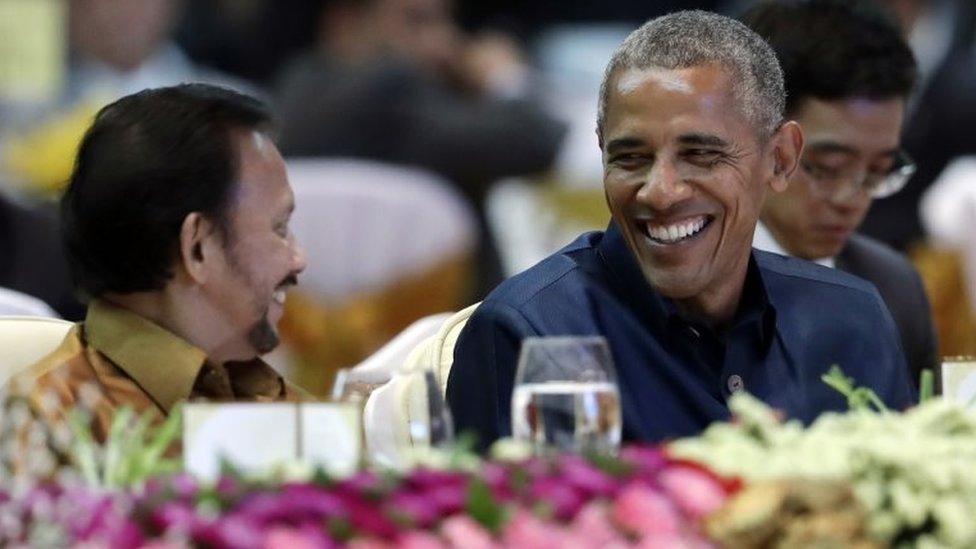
[844, 183]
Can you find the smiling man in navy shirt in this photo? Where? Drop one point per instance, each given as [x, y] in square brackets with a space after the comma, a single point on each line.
[693, 138]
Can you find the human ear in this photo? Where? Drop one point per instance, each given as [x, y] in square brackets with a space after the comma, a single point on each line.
[787, 146]
[197, 236]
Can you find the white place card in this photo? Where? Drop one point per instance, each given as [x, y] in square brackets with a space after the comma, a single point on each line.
[256, 437]
[959, 381]
[331, 436]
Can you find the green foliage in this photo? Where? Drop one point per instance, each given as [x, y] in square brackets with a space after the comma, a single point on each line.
[858, 398]
[134, 449]
[482, 506]
[926, 386]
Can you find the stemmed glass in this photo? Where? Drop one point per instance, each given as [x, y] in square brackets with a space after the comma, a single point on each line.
[565, 397]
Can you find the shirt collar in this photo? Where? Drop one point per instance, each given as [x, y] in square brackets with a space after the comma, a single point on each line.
[160, 362]
[764, 240]
[755, 306]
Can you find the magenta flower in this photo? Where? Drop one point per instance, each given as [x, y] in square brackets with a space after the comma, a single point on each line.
[587, 477]
[418, 509]
[174, 516]
[498, 479]
[563, 498]
[648, 460]
[231, 532]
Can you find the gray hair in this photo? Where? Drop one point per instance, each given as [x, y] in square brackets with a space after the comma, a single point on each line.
[691, 38]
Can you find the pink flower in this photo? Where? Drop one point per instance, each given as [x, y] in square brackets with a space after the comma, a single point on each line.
[463, 531]
[525, 531]
[417, 539]
[643, 511]
[593, 527]
[281, 537]
[670, 541]
[695, 493]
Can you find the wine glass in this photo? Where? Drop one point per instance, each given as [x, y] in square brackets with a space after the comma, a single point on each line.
[565, 397]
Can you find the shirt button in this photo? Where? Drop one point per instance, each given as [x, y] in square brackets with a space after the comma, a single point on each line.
[694, 332]
[735, 383]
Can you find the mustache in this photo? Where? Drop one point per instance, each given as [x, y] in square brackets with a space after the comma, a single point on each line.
[290, 280]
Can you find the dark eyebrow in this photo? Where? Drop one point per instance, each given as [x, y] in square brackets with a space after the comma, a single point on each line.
[828, 147]
[624, 143]
[702, 139]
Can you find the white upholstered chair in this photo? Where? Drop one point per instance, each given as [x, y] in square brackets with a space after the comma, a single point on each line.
[391, 408]
[14, 303]
[26, 339]
[386, 245]
[379, 367]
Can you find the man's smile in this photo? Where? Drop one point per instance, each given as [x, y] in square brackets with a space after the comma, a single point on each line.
[675, 232]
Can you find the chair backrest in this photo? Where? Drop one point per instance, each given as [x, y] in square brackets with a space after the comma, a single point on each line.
[386, 245]
[530, 221]
[15, 303]
[390, 408]
[437, 352]
[365, 224]
[379, 367]
[25, 340]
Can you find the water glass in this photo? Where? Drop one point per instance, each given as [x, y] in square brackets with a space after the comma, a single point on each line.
[565, 397]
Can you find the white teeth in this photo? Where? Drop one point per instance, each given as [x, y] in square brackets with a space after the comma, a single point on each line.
[279, 297]
[669, 234]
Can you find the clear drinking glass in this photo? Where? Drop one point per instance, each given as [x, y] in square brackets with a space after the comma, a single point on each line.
[565, 397]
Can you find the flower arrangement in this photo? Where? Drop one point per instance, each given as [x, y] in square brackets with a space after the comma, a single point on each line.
[642, 499]
[911, 471]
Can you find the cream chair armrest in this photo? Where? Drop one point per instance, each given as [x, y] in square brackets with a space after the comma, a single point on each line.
[442, 353]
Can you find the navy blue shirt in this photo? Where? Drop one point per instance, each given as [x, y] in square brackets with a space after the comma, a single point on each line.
[795, 319]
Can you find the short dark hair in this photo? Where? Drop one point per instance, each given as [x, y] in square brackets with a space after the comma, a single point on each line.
[835, 49]
[149, 160]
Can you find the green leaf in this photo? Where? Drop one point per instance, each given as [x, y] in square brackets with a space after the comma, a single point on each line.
[926, 386]
[84, 449]
[340, 528]
[161, 438]
[482, 507]
[858, 398]
[114, 446]
[609, 464]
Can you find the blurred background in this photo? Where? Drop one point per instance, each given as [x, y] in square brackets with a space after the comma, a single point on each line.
[435, 147]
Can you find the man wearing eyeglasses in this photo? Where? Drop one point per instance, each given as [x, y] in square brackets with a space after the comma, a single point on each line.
[848, 75]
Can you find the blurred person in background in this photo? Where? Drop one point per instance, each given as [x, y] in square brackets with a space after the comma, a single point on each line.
[849, 75]
[115, 48]
[33, 258]
[397, 81]
[119, 47]
[942, 33]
